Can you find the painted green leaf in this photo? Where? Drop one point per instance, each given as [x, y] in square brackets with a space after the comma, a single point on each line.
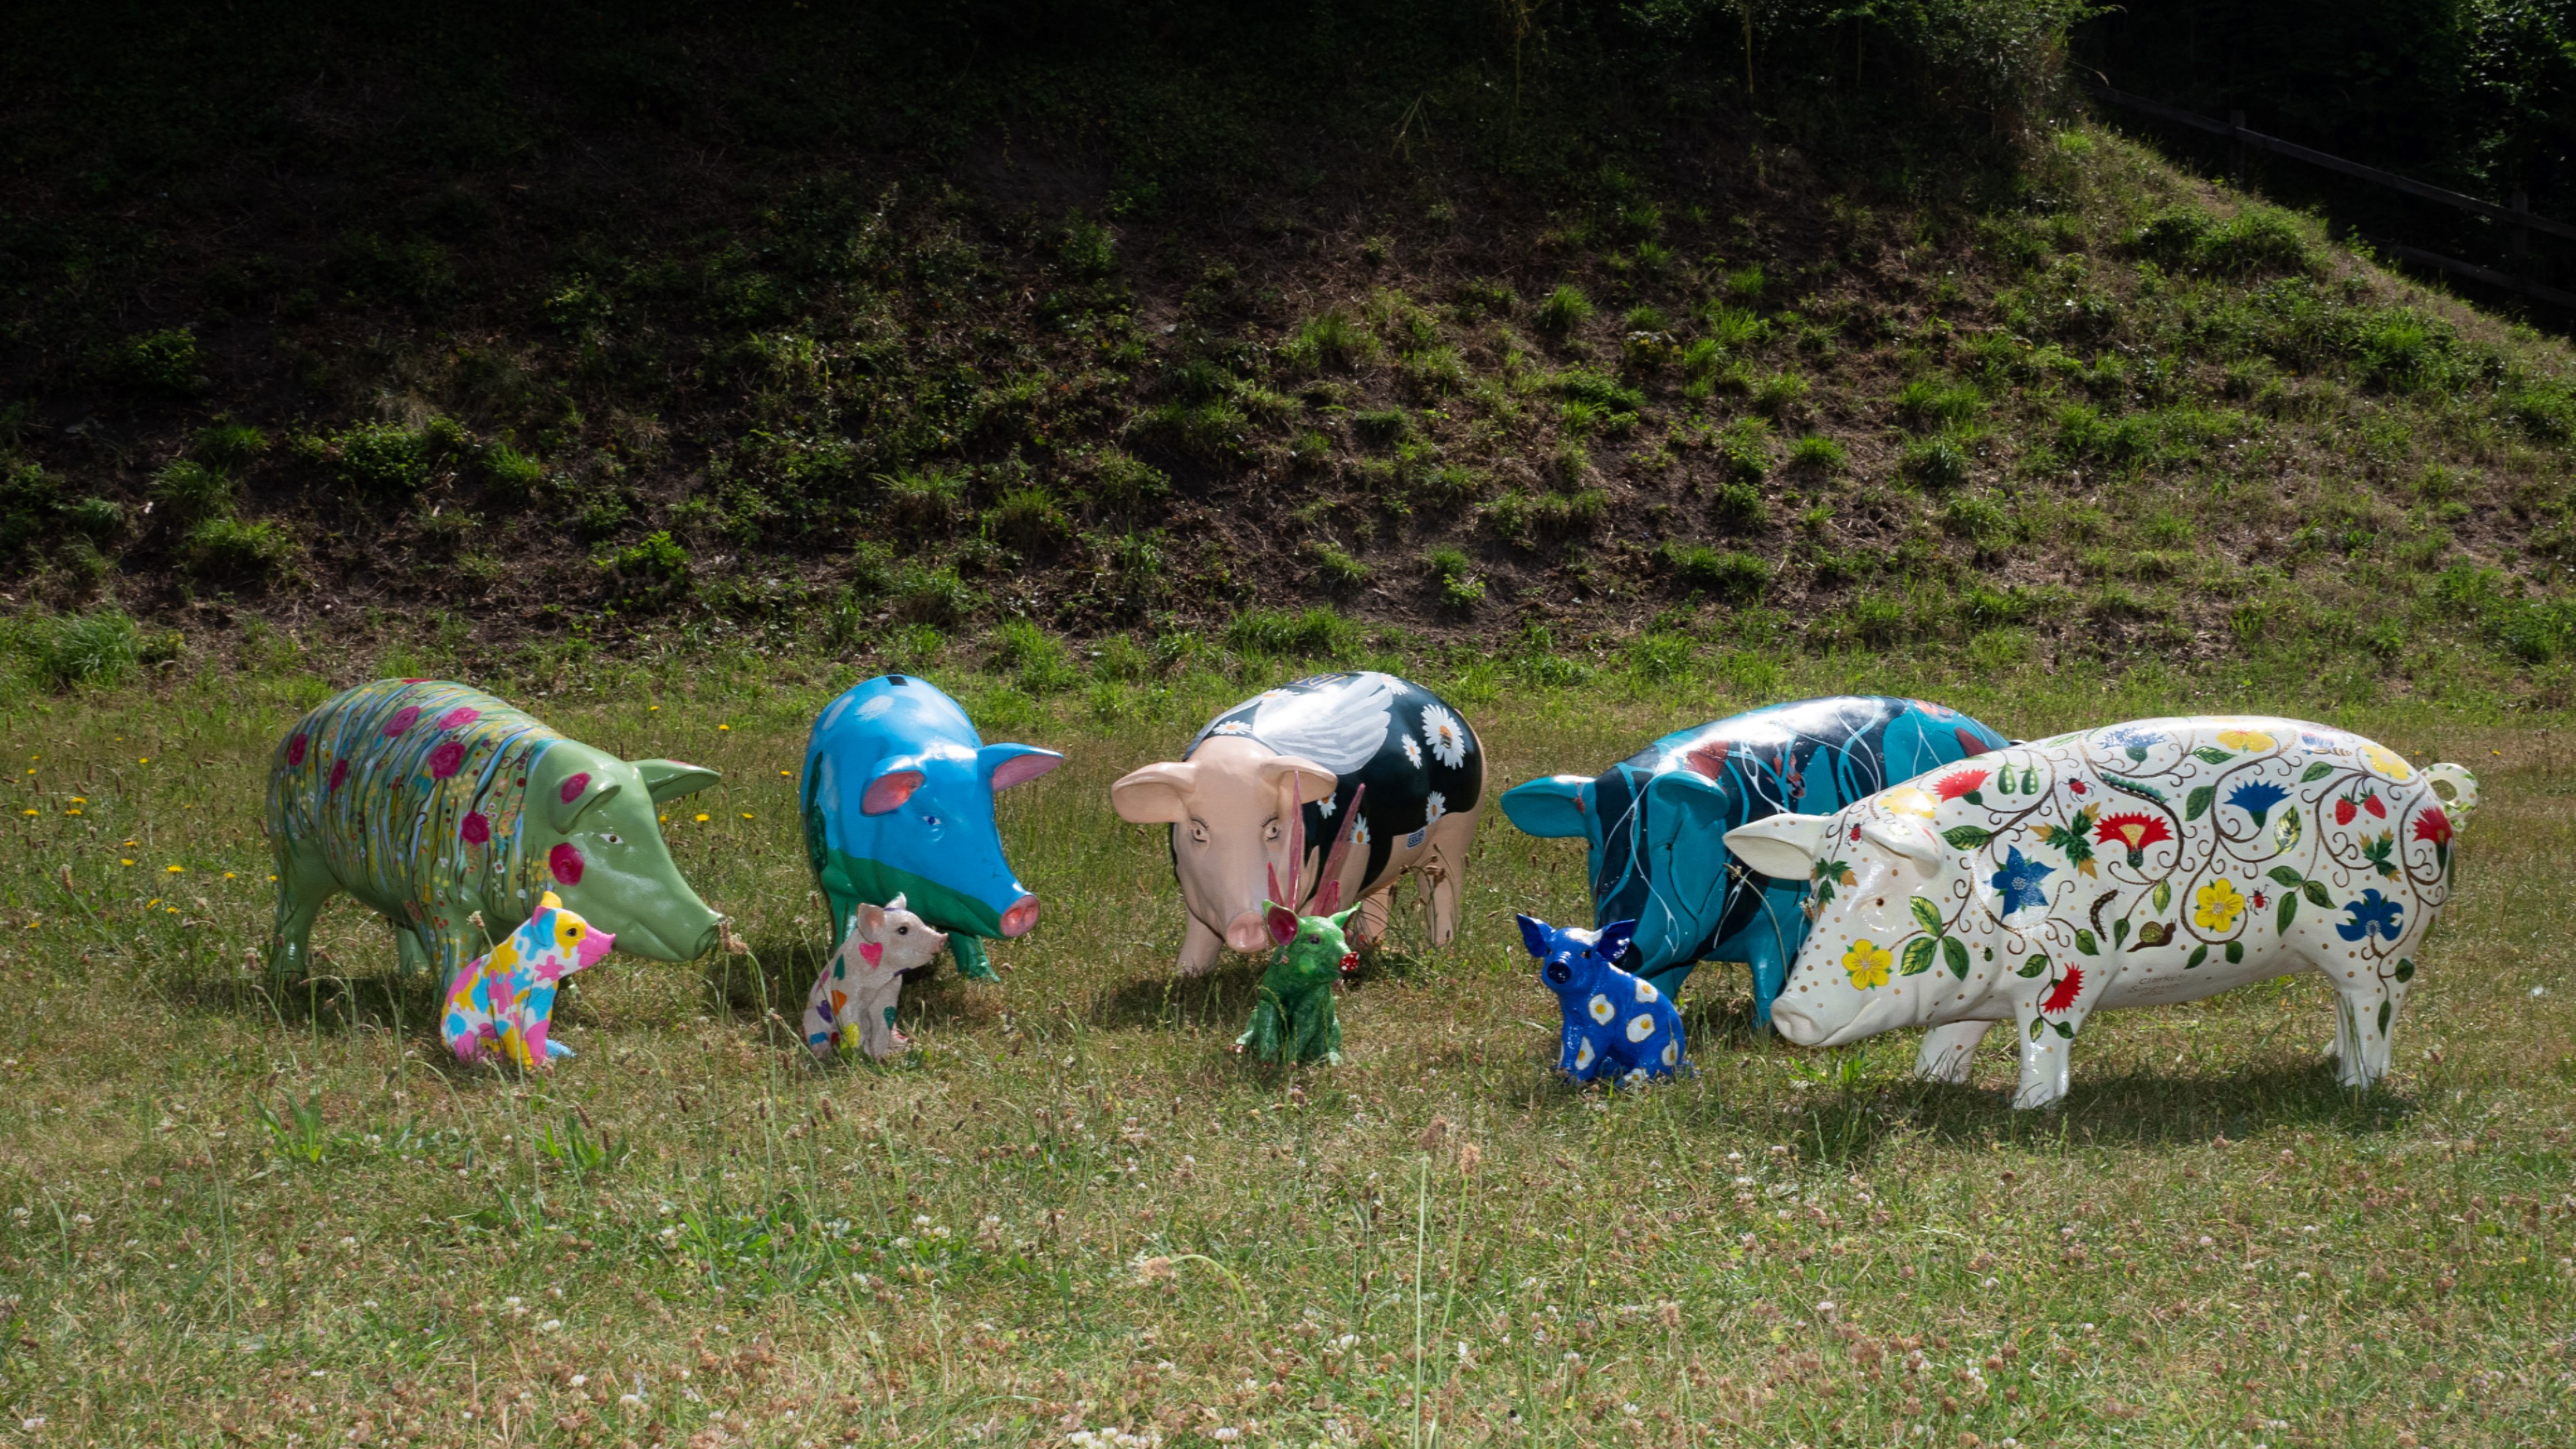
[2283, 875]
[2208, 756]
[1926, 914]
[1918, 957]
[2289, 913]
[2037, 964]
[2316, 895]
[2196, 804]
[2062, 1029]
[2316, 772]
[1955, 951]
[2387, 1009]
[2235, 952]
[2405, 970]
[2120, 931]
[2036, 1027]
[2030, 780]
[2085, 943]
[1967, 837]
[2162, 895]
[2286, 833]
[2004, 781]
[2198, 955]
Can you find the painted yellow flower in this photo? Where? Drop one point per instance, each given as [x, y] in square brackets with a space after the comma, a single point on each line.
[1867, 963]
[2388, 762]
[2245, 739]
[1906, 800]
[2217, 905]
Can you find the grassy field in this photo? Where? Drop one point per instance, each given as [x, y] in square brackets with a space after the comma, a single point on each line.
[228, 1216]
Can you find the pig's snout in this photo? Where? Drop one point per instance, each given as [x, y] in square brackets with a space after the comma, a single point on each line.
[1247, 932]
[706, 940]
[1021, 918]
[595, 946]
[1793, 1025]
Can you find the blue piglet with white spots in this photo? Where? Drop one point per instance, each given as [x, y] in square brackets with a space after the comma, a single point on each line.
[1614, 1021]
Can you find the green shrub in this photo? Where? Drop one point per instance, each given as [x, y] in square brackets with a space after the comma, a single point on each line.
[1122, 482]
[927, 499]
[1936, 463]
[1314, 633]
[931, 594]
[510, 475]
[1211, 432]
[1027, 519]
[231, 446]
[1737, 504]
[1334, 568]
[2083, 432]
[167, 361]
[95, 520]
[191, 491]
[1780, 393]
[1198, 380]
[1727, 575]
[1084, 248]
[2256, 239]
[1603, 394]
[1490, 296]
[1565, 309]
[381, 458]
[2542, 408]
[1381, 426]
[1037, 660]
[1657, 655]
[1931, 404]
[1731, 329]
[1436, 371]
[1744, 450]
[1453, 487]
[1816, 453]
[1747, 283]
[1330, 340]
[1645, 318]
[96, 649]
[224, 547]
[1982, 520]
[655, 559]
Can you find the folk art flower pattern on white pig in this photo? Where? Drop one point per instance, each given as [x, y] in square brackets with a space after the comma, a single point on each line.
[2138, 864]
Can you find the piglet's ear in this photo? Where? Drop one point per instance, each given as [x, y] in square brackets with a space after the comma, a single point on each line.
[1783, 847]
[668, 780]
[869, 920]
[1612, 941]
[893, 784]
[1533, 934]
[1909, 839]
[1008, 765]
[1282, 922]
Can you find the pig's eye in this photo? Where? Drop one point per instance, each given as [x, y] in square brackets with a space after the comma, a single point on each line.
[903, 930]
[1270, 831]
[1198, 831]
[613, 840]
[1882, 900]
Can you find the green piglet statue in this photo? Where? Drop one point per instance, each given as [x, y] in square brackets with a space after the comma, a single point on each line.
[1293, 1021]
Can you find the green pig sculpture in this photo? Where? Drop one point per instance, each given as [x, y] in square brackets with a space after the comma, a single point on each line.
[434, 804]
[1293, 1020]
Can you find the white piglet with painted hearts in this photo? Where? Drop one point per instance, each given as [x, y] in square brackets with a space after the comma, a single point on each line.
[852, 1005]
[2134, 865]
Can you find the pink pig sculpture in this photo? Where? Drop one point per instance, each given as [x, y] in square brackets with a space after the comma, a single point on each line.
[2133, 865]
[851, 1007]
[504, 1000]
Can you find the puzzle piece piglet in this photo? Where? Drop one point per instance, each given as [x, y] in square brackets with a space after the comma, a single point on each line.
[852, 1005]
[1614, 1021]
[505, 998]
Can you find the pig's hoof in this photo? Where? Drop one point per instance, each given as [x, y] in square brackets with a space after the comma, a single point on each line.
[557, 1049]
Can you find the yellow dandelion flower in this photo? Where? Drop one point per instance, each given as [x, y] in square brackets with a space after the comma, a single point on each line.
[746, 815]
[125, 862]
[1867, 963]
[35, 812]
[174, 869]
[702, 820]
[724, 727]
[73, 811]
[2217, 905]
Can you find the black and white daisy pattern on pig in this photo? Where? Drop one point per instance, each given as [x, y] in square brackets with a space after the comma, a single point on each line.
[1418, 758]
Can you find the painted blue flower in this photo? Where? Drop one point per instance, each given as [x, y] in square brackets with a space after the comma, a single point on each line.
[2132, 737]
[2019, 881]
[2372, 915]
[2257, 799]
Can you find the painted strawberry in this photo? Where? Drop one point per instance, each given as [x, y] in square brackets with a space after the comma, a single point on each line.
[2344, 811]
[2370, 802]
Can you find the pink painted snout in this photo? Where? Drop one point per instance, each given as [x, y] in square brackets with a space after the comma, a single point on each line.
[594, 948]
[1021, 918]
[1248, 932]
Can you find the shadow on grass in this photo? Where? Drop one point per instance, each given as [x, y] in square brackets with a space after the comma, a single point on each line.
[2134, 1109]
[1222, 999]
[326, 1002]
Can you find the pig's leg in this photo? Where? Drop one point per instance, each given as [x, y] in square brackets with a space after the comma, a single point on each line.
[971, 961]
[1446, 872]
[874, 1007]
[412, 952]
[2366, 1005]
[2044, 1058]
[1261, 1038]
[304, 883]
[1200, 948]
[1949, 1051]
[1369, 926]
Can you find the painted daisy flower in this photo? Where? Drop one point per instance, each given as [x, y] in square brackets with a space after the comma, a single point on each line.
[1413, 751]
[2216, 906]
[1360, 830]
[1326, 806]
[1233, 727]
[1446, 737]
[1437, 806]
[1867, 964]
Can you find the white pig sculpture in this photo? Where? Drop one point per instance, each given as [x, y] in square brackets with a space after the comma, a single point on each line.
[2132, 865]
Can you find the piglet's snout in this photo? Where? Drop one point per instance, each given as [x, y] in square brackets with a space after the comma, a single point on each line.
[1021, 918]
[595, 946]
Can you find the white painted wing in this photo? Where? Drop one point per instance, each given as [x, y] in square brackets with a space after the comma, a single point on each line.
[1339, 729]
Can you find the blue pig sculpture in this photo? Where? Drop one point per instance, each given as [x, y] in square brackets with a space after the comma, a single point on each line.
[898, 804]
[1614, 1021]
[1656, 822]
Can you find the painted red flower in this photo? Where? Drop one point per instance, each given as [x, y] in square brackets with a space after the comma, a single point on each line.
[459, 717]
[444, 760]
[2433, 825]
[573, 786]
[565, 861]
[339, 774]
[1960, 782]
[476, 830]
[2132, 830]
[404, 718]
[295, 750]
[2063, 994]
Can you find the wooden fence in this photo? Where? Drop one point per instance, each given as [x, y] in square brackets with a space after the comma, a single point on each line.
[2515, 216]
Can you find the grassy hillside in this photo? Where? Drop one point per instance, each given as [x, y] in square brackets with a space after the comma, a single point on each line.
[1290, 331]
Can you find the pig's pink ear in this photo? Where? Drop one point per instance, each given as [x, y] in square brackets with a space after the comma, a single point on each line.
[890, 789]
[870, 919]
[1008, 765]
[1283, 923]
[1156, 794]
